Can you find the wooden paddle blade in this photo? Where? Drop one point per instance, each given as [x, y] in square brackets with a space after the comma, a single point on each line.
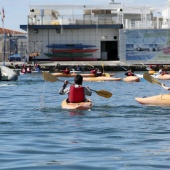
[151, 79]
[104, 93]
[49, 77]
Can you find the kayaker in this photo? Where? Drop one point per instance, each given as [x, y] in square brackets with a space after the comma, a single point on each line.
[76, 92]
[164, 71]
[77, 68]
[129, 73]
[160, 69]
[66, 71]
[23, 69]
[29, 69]
[97, 72]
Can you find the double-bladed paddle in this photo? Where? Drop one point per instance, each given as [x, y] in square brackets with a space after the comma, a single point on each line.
[49, 77]
[151, 79]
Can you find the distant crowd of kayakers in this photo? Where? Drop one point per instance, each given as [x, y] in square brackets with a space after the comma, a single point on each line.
[26, 68]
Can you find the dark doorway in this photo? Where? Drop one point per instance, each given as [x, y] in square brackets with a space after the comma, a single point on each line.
[109, 50]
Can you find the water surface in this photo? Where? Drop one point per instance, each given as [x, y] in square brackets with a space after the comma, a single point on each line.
[117, 133]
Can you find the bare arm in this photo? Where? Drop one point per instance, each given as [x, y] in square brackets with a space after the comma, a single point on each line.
[64, 90]
[87, 91]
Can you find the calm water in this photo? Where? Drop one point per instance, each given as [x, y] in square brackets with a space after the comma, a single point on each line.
[117, 133]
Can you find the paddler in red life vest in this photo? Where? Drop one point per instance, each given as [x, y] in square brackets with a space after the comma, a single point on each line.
[29, 69]
[23, 69]
[164, 71]
[97, 72]
[129, 73]
[66, 71]
[76, 92]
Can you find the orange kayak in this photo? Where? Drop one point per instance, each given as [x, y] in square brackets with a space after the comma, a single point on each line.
[132, 79]
[164, 77]
[76, 106]
[159, 100]
[151, 72]
[73, 75]
[101, 79]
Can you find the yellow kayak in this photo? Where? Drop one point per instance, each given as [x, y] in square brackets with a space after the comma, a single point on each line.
[73, 75]
[77, 106]
[132, 79]
[101, 79]
[151, 72]
[159, 100]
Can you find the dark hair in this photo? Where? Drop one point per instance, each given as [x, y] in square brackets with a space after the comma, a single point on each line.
[78, 79]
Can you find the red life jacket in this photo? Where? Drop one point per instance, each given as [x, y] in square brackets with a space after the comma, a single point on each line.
[76, 94]
[66, 71]
[23, 70]
[164, 72]
[93, 71]
[130, 74]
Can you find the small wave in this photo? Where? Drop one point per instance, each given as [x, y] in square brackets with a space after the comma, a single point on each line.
[2, 85]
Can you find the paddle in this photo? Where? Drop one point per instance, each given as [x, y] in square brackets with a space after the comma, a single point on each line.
[127, 69]
[151, 79]
[147, 68]
[106, 74]
[49, 77]
[123, 68]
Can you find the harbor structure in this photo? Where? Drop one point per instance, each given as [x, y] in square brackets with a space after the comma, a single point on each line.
[111, 32]
[12, 45]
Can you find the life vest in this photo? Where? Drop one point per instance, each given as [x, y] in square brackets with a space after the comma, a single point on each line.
[76, 94]
[130, 74]
[164, 72]
[93, 71]
[66, 71]
[23, 70]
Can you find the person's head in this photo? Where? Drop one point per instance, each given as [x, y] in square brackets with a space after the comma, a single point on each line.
[78, 79]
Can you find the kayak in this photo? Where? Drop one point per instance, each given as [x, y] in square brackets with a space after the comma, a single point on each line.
[77, 106]
[73, 75]
[151, 72]
[74, 71]
[101, 79]
[132, 79]
[159, 100]
[164, 77]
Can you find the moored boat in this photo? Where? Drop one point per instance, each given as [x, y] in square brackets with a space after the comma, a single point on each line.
[7, 74]
[158, 100]
[73, 50]
[77, 106]
[72, 46]
[73, 75]
[101, 79]
[131, 79]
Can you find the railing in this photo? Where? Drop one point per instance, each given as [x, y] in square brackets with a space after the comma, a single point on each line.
[97, 20]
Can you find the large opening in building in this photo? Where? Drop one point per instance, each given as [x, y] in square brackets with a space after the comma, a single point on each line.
[109, 50]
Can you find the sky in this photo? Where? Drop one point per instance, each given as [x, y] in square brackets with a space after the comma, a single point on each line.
[16, 11]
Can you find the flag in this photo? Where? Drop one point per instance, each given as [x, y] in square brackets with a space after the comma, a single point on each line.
[2, 14]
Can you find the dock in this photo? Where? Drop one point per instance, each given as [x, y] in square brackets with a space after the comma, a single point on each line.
[86, 65]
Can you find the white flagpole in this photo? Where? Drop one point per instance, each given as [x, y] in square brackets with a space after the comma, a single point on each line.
[4, 36]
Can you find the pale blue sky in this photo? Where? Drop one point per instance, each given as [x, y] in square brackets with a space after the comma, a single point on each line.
[16, 11]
